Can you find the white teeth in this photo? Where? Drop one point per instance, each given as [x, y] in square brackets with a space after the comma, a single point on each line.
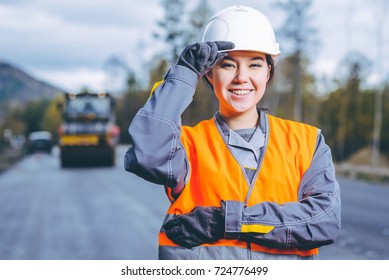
[241, 92]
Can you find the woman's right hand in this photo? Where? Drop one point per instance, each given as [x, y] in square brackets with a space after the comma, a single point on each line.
[201, 57]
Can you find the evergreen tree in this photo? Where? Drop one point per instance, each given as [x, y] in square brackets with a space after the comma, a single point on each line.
[173, 27]
[346, 116]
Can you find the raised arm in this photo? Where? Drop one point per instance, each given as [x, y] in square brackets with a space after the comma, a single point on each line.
[157, 154]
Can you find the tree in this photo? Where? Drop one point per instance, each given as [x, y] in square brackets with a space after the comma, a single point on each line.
[384, 143]
[297, 31]
[279, 98]
[346, 116]
[381, 9]
[117, 70]
[180, 28]
[198, 19]
[173, 27]
[24, 119]
[14, 121]
[51, 119]
[204, 103]
[157, 73]
[134, 98]
[33, 114]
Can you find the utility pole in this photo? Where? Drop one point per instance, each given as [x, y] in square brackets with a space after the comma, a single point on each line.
[378, 106]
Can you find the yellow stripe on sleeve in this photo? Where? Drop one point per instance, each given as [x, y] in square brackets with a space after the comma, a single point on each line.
[257, 228]
[157, 84]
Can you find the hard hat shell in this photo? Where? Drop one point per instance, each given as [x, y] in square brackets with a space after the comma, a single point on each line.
[247, 28]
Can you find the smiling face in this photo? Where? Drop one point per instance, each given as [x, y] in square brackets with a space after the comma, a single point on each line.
[239, 81]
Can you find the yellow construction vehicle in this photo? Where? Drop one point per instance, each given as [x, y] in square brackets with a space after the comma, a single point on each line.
[88, 134]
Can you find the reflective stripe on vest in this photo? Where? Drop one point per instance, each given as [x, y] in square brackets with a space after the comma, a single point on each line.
[215, 174]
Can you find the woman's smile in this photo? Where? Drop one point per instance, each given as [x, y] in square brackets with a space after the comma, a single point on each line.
[240, 92]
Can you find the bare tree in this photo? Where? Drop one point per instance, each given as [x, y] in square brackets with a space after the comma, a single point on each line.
[297, 31]
[117, 71]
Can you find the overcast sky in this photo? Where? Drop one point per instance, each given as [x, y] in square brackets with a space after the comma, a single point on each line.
[67, 43]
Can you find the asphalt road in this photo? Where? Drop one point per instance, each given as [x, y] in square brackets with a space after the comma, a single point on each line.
[47, 212]
[365, 222]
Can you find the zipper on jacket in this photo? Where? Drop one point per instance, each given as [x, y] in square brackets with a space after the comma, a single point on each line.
[262, 154]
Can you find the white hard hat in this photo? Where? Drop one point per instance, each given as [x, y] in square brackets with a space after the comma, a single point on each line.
[247, 28]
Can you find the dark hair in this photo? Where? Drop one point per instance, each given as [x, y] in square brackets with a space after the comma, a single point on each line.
[269, 61]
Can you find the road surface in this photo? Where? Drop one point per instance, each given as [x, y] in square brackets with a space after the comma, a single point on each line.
[47, 212]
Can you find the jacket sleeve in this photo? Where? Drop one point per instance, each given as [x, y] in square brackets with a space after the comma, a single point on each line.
[311, 222]
[156, 153]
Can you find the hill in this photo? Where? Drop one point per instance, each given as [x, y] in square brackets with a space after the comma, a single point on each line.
[17, 86]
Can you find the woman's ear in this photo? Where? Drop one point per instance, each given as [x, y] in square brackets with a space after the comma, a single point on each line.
[208, 76]
[268, 72]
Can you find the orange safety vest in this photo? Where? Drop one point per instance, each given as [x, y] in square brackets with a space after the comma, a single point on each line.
[216, 175]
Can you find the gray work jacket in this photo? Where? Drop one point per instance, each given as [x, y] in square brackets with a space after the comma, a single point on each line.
[158, 156]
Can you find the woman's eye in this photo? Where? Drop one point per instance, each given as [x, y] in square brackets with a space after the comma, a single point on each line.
[256, 65]
[227, 65]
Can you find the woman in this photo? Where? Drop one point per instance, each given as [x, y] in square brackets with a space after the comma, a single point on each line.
[244, 184]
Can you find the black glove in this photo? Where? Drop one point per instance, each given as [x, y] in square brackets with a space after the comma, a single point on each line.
[202, 225]
[201, 57]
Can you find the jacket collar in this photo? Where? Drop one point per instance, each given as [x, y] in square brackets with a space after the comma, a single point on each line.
[231, 137]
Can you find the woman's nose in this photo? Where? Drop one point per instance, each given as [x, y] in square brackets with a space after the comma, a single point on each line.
[241, 76]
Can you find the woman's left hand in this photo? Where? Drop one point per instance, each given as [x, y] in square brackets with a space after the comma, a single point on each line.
[202, 225]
